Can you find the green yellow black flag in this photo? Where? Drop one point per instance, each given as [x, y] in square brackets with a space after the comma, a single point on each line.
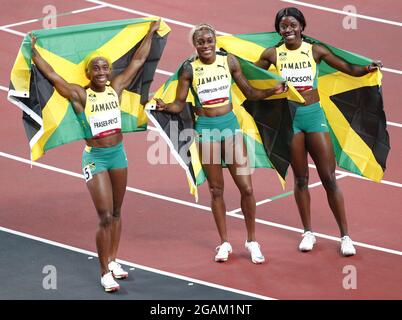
[265, 139]
[48, 118]
[353, 105]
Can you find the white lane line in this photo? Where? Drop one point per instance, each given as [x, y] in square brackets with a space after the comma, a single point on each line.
[142, 13]
[55, 16]
[13, 32]
[88, 9]
[320, 235]
[310, 186]
[395, 124]
[77, 175]
[346, 13]
[391, 70]
[163, 72]
[203, 208]
[390, 183]
[167, 73]
[135, 265]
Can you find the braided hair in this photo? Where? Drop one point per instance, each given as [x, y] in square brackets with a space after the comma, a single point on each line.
[200, 27]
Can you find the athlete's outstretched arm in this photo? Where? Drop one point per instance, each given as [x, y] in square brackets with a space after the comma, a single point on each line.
[123, 80]
[322, 53]
[75, 93]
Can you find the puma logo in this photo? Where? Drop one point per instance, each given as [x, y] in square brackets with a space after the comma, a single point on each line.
[306, 53]
[221, 66]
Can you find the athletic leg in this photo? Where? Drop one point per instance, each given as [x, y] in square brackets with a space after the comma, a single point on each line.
[319, 146]
[300, 170]
[210, 152]
[234, 153]
[119, 183]
[100, 188]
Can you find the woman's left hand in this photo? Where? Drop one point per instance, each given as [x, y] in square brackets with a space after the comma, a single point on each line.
[155, 26]
[375, 65]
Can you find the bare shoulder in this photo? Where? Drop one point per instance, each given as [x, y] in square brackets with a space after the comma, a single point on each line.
[233, 62]
[319, 50]
[186, 70]
[269, 55]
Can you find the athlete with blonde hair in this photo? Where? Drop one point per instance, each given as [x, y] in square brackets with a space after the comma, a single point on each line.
[208, 75]
[104, 160]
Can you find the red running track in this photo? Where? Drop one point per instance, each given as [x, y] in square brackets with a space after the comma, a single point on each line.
[180, 238]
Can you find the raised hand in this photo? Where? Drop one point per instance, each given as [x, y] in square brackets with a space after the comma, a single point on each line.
[33, 39]
[155, 25]
[375, 65]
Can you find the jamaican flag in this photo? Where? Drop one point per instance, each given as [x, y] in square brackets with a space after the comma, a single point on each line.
[353, 105]
[48, 118]
[265, 139]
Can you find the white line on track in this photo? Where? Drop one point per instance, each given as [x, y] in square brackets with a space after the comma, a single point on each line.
[346, 13]
[310, 186]
[203, 208]
[390, 183]
[145, 14]
[391, 70]
[103, 4]
[394, 124]
[77, 175]
[55, 16]
[184, 24]
[131, 264]
[18, 33]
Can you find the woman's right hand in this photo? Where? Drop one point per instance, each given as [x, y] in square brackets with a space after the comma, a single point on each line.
[280, 87]
[33, 40]
[160, 105]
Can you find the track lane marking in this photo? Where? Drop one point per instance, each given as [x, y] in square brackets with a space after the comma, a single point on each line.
[346, 13]
[203, 208]
[135, 265]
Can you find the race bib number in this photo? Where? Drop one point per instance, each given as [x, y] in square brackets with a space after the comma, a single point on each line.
[87, 173]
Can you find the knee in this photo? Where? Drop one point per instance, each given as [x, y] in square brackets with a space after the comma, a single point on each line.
[301, 182]
[329, 183]
[247, 191]
[105, 219]
[116, 213]
[216, 191]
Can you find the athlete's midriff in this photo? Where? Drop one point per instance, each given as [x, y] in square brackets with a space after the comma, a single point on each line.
[105, 142]
[213, 112]
[310, 96]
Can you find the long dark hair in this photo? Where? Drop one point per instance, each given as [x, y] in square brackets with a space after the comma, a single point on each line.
[290, 12]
